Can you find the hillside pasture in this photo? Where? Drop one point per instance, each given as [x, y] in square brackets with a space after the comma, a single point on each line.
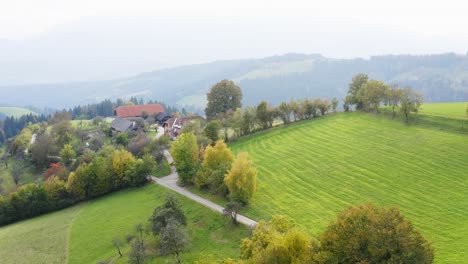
[15, 111]
[314, 169]
[43, 239]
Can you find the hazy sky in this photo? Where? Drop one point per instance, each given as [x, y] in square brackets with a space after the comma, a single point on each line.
[83, 38]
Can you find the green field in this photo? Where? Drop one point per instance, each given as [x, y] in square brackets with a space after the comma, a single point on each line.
[91, 227]
[314, 169]
[15, 111]
[452, 110]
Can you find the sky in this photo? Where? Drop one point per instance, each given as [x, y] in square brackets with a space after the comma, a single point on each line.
[101, 39]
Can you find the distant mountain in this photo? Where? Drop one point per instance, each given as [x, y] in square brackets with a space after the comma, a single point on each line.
[442, 77]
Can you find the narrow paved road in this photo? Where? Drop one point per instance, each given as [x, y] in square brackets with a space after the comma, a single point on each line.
[170, 182]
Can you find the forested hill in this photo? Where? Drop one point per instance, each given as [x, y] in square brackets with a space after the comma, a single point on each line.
[441, 77]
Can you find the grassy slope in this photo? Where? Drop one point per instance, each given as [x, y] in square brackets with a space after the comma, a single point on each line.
[115, 216]
[314, 169]
[42, 239]
[14, 111]
[453, 110]
[91, 227]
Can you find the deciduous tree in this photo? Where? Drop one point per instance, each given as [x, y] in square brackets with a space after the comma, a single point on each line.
[354, 87]
[334, 104]
[217, 162]
[277, 241]
[211, 130]
[184, 150]
[411, 101]
[223, 96]
[241, 179]
[367, 234]
[171, 209]
[174, 239]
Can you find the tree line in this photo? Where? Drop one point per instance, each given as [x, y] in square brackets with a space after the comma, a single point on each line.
[369, 95]
[106, 171]
[224, 111]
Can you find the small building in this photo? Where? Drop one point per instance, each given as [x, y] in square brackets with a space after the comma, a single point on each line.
[120, 125]
[138, 110]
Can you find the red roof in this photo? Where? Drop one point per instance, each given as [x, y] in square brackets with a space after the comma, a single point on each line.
[137, 110]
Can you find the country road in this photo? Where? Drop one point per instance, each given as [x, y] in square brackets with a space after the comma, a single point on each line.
[170, 182]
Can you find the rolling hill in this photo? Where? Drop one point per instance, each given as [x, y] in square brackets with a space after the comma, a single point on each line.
[313, 169]
[441, 77]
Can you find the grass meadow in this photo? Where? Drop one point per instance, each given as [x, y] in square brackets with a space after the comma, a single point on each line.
[314, 169]
[83, 233]
[452, 110]
[43, 239]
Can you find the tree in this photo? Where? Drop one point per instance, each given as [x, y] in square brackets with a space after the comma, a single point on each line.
[122, 139]
[277, 241]
[323, 106]
[248, 120]
[63, 132]
[310, 108]
[371, 94]
[231, 210]
[217, 162]
[393, 98]
[223, 96]
[367, 234]
[211, 130]
[17, 172]
[117, 243]
[41, 150]
[174, 239]
[67, 154]
[263, 115]
[171, 209]
[334, 104]
[241, 179]
[285, 112]
[354, 87]
[184, 150]
[411, 101]
[137, 253]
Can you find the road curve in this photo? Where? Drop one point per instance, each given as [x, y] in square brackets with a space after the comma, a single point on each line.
[170, 182]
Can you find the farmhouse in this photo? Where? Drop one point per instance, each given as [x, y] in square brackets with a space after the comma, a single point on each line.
[138, 110]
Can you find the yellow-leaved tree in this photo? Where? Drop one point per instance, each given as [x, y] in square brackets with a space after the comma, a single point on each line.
[217, 162]
[241, 179]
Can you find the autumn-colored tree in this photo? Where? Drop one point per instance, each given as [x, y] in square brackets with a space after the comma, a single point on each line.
[122, 161]
[241, 179]
[185, 151]
[54, 170]
[217, 162]
[367, 234]
[277, 241]
[55, 188]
